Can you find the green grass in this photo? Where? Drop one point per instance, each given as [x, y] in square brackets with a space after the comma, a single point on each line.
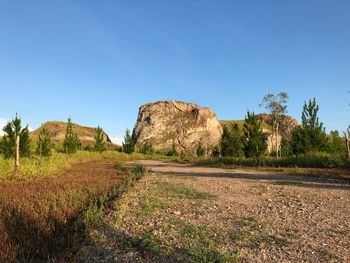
[251, 234]
[163, 195]
[311, 160]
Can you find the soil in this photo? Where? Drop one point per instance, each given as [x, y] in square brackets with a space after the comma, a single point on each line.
[223, 215]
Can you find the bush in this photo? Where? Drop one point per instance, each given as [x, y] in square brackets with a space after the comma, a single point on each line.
[309, 160]
[200, 151]
[146, 148]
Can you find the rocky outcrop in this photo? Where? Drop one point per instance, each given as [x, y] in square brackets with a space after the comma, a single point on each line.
[185, 126]
[57, 130]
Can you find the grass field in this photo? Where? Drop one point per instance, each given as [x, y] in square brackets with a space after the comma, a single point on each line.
[46, 209]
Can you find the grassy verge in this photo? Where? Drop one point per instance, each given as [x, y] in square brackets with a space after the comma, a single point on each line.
[46, 219]
[35, 167]
[318, 165]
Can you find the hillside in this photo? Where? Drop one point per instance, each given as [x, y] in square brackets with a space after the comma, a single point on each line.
[57, 129]
[266, 123]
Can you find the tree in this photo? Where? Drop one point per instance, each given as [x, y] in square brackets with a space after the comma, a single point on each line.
[100, 144]
[226, 143]
[254, 140]
[71, 141]
[237, 144]
[200, 151]
[231, 142]
[297, 141]
[335, 143]
[286, 148]
[128, 144]
[347, 138]
[278, 108]
[44, 144]
[314, 132]
[16, 140]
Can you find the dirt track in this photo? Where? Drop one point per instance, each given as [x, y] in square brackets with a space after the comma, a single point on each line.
[257, 216]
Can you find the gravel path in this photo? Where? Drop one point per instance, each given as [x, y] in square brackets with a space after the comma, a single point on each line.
[245, 216]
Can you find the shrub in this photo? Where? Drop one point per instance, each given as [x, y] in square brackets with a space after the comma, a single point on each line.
[200, 151]
[146, 148]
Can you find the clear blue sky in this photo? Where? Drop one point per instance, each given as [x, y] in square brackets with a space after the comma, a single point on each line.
[98, 61]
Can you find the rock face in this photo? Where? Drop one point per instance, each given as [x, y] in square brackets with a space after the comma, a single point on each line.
[184, 125]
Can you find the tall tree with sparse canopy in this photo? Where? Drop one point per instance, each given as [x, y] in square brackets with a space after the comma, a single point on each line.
[314, 132]
[253, 139]
[100, 144]
[44, 143]
[16, 140]
[71, 141]
[276, 104]
[128, 144]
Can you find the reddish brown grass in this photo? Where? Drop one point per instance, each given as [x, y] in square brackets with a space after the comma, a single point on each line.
[38, 217]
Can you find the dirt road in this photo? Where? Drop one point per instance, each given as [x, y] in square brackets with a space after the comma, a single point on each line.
[200, 214]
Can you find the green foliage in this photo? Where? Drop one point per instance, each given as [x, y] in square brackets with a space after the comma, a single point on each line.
[314, 133]
[215, 152]
[335, 143]
[200, 151]
[71, 142]
[100, 145]
[8, 143]
[276, 104]
[307, 160]
[286, 148]
[172, 152]
[231, 142]
[147, 148]
[254, 139]
[128, 144]
[296, 143]
[44, 144]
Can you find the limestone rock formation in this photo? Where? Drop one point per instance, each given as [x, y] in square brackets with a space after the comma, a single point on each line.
[185, 126]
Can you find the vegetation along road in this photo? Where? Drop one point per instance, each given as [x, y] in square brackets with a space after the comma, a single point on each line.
[183, 213]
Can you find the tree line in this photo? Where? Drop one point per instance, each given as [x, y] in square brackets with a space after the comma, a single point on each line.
[309, 137]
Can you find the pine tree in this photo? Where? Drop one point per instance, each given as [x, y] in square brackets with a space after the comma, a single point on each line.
[100, 145]
[13, 130]
[226, 143]
[314, 132]
[15, 142]
[297, 142]
[237, 144]
[254, 139]
[128, 144]
[44, 143]
[71, 142]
